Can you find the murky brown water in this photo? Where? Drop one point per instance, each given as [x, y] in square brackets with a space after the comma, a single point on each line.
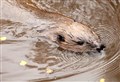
[21, 22]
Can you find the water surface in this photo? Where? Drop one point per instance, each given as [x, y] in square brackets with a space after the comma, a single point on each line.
[21, 22]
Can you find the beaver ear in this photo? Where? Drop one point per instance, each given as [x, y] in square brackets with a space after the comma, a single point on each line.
[60, 38]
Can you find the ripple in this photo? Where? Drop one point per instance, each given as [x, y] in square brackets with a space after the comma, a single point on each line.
[25, 43]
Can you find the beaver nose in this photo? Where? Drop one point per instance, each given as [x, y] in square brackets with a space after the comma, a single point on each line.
[99, 49]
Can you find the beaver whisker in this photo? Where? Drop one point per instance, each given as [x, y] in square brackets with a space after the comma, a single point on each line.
[78, 38]
[71, 34]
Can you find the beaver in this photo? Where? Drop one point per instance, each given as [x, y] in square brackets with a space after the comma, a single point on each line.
[67, 33]
[74, 37]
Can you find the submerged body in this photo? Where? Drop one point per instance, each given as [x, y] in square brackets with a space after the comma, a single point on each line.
[65, 32]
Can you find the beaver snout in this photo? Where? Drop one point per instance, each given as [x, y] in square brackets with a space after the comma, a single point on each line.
[99, 49]
[97, 46]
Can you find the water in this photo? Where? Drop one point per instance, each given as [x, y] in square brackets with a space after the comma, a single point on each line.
[22, 22]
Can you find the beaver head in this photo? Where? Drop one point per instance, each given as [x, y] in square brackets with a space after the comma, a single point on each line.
[75, 37]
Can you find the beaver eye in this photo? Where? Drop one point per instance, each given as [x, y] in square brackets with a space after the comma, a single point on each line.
[80, 42]
[61, 38]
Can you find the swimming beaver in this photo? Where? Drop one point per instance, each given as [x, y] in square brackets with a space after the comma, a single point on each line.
[67, 33]
[75, 37]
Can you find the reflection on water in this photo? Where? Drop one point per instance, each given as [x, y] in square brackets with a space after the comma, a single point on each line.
[21, 22]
